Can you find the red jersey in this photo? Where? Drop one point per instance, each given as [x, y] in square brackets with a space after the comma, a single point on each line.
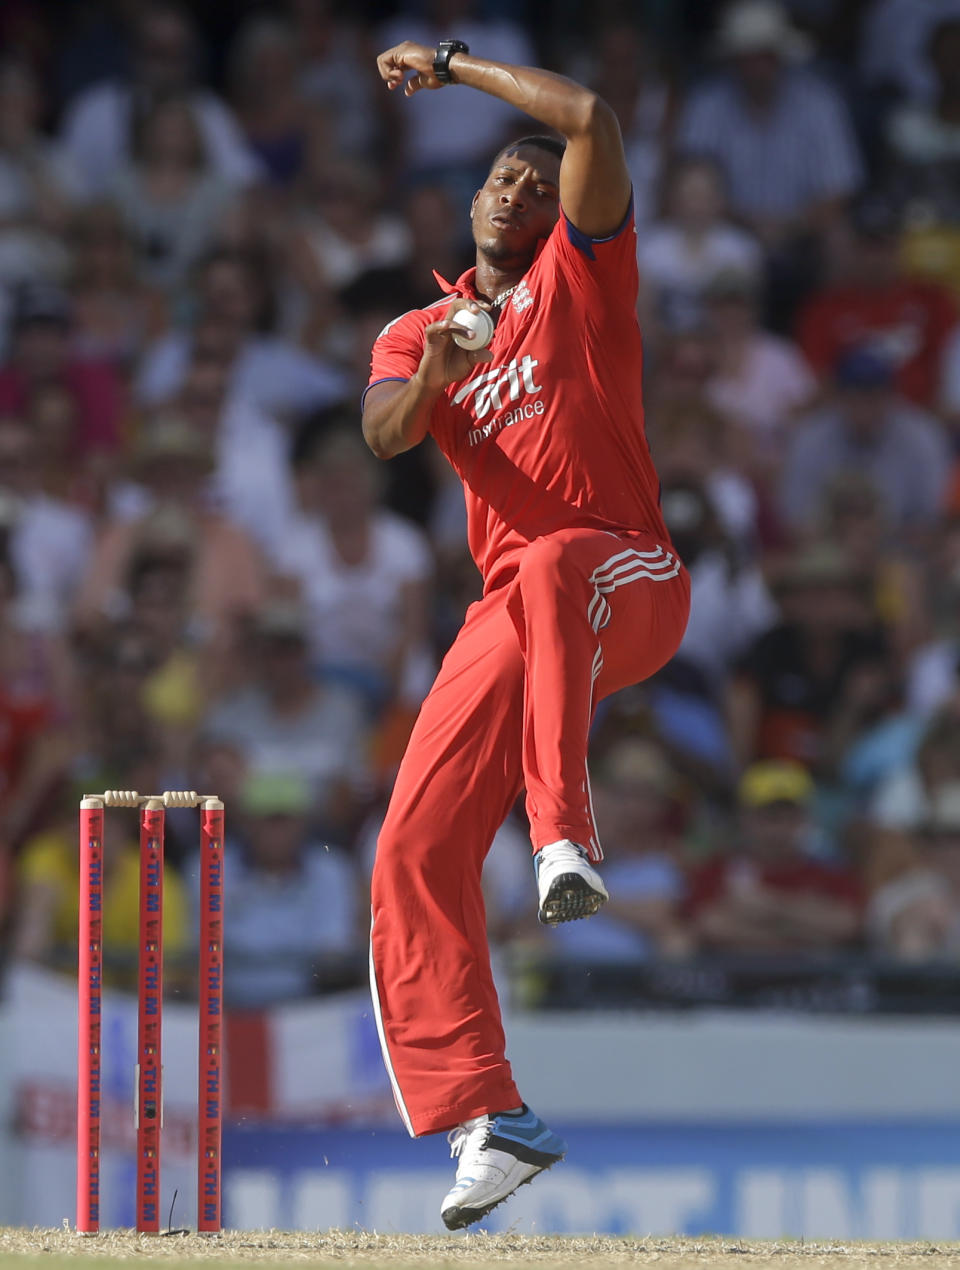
[550, 434]
[909, 321]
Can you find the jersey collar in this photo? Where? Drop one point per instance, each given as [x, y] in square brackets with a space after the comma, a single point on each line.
[465, 285]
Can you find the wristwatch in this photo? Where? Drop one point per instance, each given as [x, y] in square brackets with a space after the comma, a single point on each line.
[441, 59]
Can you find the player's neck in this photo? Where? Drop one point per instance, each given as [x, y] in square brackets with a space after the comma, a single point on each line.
[496, 283]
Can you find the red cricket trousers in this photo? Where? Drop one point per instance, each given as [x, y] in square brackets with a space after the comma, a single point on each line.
[587, 612]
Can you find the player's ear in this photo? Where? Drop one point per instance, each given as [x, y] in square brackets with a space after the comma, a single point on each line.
[474, 203]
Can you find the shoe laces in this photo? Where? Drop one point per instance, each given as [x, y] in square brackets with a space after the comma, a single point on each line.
[566, 853]
[459, 1138]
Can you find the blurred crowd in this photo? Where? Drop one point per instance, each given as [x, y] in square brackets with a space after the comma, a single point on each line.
[207, 582]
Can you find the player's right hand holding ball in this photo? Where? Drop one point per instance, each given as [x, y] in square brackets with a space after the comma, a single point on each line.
[443, 361]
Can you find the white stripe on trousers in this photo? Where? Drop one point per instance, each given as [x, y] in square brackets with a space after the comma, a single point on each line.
[395, 1084]
[626, 566]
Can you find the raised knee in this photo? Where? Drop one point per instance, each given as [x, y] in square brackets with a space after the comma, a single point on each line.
[543, 555]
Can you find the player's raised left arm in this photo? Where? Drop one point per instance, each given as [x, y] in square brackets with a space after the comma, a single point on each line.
[594, 181]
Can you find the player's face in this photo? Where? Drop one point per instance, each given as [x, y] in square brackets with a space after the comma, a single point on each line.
[517, 206]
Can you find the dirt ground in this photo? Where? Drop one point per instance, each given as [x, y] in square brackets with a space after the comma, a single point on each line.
[342, 1249]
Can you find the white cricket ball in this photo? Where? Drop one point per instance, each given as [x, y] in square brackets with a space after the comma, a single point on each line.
[480, 325]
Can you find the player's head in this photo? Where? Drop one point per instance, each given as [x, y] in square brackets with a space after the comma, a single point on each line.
[519, 202]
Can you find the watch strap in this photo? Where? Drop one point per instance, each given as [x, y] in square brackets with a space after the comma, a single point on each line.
[441, 59]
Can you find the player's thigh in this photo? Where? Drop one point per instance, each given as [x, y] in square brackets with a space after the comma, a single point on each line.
[647, 604]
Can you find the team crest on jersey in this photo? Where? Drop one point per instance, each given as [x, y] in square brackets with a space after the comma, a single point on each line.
[522, 299]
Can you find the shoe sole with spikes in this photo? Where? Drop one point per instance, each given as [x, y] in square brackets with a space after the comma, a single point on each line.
[569, 898]
[458, 1218]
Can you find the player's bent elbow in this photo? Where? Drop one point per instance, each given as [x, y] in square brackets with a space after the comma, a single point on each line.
[377, 442]
[597, 118]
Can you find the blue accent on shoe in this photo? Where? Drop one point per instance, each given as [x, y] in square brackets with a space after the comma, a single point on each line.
[526, 1137]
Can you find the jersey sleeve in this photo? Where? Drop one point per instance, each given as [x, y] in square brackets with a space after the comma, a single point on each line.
[594, 264]
[397, 349]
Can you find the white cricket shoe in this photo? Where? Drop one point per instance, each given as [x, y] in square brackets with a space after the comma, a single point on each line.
[496, 1155]
[569, 886]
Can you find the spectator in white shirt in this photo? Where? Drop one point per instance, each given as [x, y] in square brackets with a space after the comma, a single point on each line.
[98, 128]
[681, 254]
[364, 572]
[274, 374]
[346, 229]
[250, 482]
[169, 194]
[49, 540]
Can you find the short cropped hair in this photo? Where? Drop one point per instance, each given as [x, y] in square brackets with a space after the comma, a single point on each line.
[540, 141]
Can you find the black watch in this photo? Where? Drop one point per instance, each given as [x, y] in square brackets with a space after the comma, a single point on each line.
[441, 59]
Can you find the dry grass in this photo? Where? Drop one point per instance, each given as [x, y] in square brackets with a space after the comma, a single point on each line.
[341, 1249]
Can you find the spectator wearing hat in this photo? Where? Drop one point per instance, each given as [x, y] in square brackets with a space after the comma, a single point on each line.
[796, 679]
[915, 915]
[874, 306]
[768, 893]
[41, 355]
[761, 381]
[283, 717]
[781, 135]
[867, 428]
[293, 900]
